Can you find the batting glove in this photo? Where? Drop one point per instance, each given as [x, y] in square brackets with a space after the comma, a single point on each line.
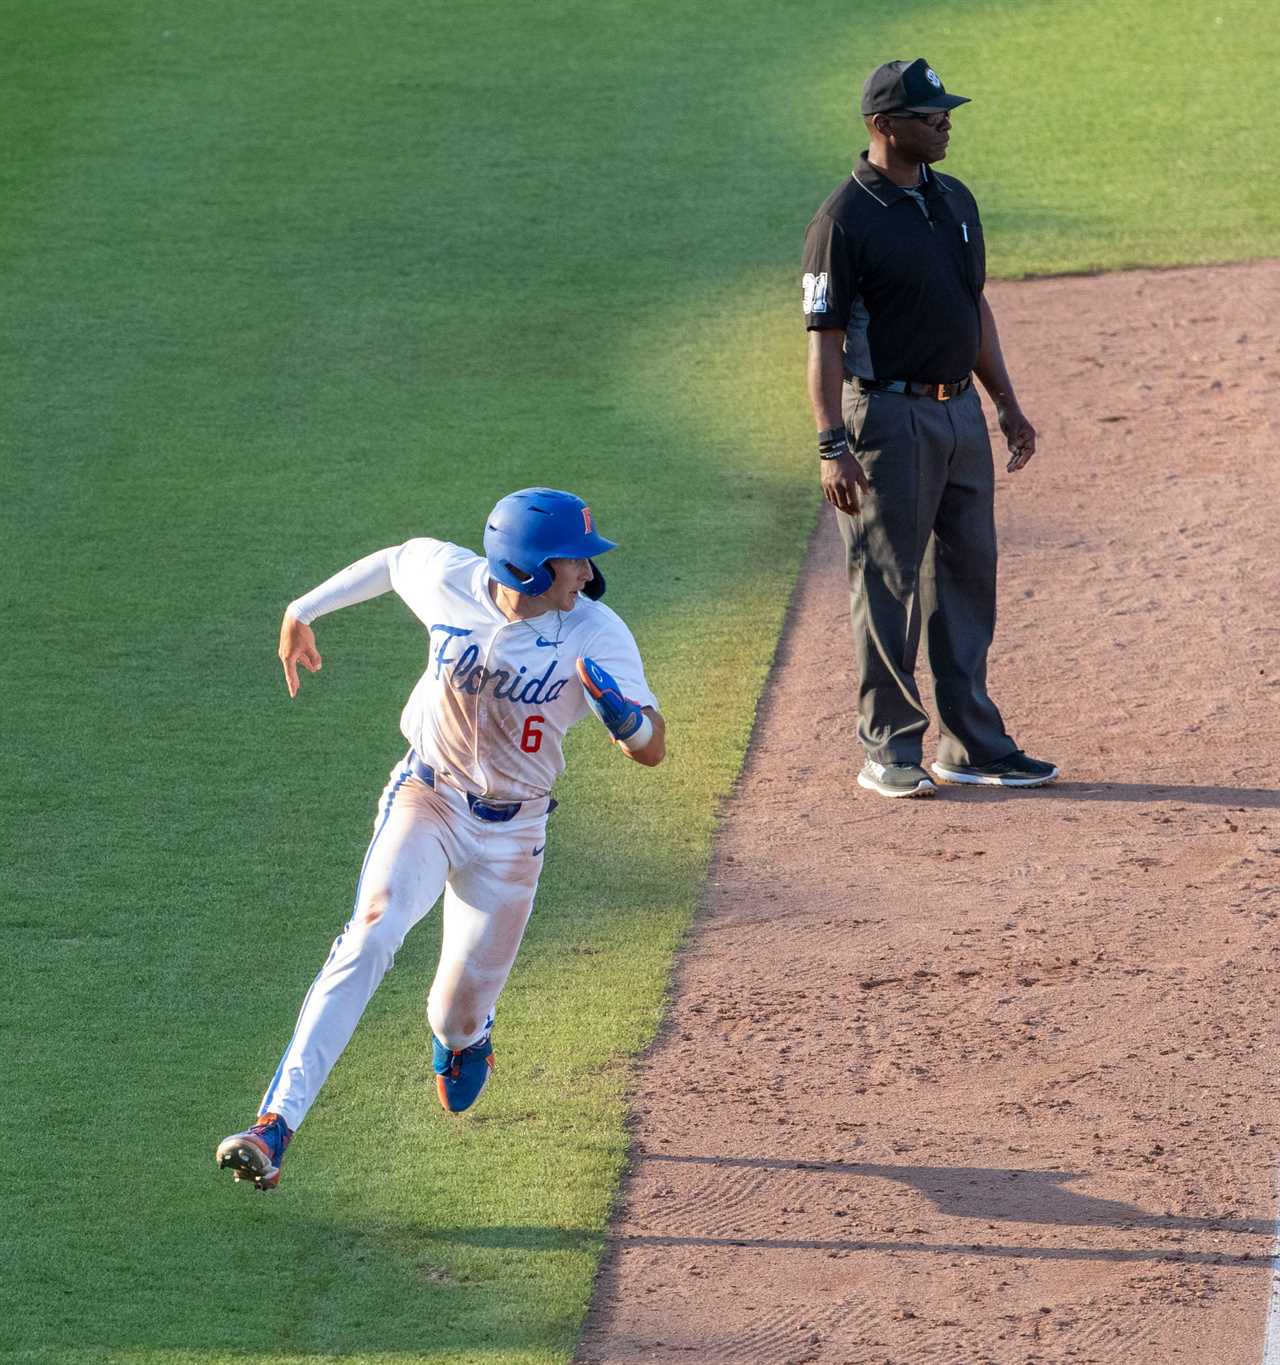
[623, 719]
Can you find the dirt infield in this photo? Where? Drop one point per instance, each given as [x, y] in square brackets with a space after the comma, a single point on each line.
[991, 1077]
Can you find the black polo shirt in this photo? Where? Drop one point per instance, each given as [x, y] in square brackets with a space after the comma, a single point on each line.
[900, 278]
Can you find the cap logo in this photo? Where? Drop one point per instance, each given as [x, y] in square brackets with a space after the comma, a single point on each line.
[932, 76]
[586, 520]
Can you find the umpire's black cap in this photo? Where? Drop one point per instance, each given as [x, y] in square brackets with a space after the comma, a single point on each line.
[906, 85]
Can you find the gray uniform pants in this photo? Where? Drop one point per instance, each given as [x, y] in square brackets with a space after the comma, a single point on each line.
[922, 550]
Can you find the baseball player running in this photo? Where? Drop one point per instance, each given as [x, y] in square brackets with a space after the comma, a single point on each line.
[520, 647]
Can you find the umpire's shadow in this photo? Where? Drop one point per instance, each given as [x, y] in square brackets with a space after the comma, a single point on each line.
[994, 1194]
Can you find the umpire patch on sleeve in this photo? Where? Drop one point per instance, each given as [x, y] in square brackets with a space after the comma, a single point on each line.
[815, 292]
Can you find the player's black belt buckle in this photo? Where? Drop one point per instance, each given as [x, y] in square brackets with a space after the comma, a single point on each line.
[915, 388]
[496, 812]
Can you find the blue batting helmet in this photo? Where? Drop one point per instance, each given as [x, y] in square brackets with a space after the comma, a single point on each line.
[534, 525]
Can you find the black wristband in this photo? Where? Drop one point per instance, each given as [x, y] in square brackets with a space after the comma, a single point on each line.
[834, 451]
[832, 436]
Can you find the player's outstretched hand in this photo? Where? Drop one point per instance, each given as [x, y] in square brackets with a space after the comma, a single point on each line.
[297, 646]
[621, 716]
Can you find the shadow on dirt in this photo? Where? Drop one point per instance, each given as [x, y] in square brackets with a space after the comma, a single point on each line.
[998, 1193]
[1145, 793]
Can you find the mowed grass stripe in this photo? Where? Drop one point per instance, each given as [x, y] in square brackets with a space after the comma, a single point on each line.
[288, 286]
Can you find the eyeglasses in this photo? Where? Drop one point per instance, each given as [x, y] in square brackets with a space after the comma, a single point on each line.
[930, 120]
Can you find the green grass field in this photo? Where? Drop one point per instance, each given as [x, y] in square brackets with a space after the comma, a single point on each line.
[287, 284]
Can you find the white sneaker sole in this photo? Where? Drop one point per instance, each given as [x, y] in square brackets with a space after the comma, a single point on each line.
[922, 788]
[987, 780]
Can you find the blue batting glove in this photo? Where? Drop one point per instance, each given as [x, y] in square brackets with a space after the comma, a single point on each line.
[621, 716]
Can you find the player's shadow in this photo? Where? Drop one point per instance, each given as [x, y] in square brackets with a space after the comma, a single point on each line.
[1144, 793]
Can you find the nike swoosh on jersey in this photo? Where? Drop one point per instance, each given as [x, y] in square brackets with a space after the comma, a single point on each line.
[547, 644]
[538, 850]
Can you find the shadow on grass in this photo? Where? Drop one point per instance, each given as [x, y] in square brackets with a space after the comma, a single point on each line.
[409, 1292]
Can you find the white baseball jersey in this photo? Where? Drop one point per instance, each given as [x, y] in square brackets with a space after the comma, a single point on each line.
[491, 710]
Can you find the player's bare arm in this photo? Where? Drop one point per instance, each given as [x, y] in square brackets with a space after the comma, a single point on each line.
[655, 750]
[994, 376]
[842, 475]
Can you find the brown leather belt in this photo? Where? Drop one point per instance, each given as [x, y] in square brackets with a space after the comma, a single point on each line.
[913, 387]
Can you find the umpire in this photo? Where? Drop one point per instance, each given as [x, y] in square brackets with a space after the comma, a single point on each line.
[898, 325]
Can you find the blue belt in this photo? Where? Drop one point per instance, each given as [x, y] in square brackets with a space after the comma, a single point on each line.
[497, 812]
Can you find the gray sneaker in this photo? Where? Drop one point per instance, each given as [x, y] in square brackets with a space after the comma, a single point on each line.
[895, 779]
[1014, 770]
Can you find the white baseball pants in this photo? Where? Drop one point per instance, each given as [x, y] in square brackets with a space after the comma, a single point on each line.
[425, 840]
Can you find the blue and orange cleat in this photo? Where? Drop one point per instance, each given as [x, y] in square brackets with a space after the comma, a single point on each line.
[256, 1153]
[461, 1075]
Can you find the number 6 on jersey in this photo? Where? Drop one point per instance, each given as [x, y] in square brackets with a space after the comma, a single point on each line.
[531, 736]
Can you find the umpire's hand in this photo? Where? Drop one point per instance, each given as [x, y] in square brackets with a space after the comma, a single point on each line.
[842, 480]
[1019, 434]
[297, 646]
